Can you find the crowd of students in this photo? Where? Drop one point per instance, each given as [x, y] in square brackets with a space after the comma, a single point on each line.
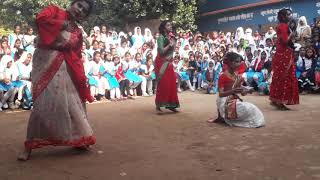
[119, 66]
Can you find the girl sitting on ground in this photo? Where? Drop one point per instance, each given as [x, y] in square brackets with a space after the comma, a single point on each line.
[232, 110]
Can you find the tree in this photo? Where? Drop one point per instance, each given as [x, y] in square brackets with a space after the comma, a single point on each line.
[183, 13]
[24, 11]
[116, 13]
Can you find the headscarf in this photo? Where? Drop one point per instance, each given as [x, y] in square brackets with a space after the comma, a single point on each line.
[136, 31]
[5, 60]
[23, 57]
[147, 37]
[239, 34]
[301, 28]
[228, 38]
[137, 38]
[7, 72]
[249, 37]
[96, 28]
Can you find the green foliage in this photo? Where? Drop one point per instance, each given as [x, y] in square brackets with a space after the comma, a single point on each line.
[24, 11]
[116, 13]
[4, 32]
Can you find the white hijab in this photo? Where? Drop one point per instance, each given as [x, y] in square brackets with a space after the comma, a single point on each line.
[239, 34]
[136, 32]
[228, 38]
[300, 27]
[147, 37]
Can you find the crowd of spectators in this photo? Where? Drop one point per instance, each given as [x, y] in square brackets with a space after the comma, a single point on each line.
[119, 65]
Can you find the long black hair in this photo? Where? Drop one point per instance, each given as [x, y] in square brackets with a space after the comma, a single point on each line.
[282, 14]
[230, 57]
[89, 2]
[162, 27]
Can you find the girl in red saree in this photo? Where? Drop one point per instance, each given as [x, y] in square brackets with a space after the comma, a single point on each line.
[232, 110]
[165, 76]
[284, 87]
[59, 84]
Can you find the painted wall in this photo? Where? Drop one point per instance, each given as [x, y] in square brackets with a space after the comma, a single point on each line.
[258, 16]
[213, 5]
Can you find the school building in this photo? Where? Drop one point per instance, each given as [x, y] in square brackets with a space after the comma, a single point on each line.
[227, 15]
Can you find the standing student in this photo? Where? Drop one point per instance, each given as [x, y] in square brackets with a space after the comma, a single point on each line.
[28, 41]
[12, 38]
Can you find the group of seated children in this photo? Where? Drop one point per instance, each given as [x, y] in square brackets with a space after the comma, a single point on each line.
[15, 82]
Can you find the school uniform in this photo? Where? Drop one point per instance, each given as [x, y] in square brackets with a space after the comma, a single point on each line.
[147, 82]
[108, 70]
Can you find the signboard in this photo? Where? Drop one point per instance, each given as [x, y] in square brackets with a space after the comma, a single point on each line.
[214, 5]
[254, 17]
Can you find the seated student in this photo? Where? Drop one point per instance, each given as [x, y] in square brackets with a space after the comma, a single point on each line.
[248, 75]
[264, 86]
[97, 84]
[192, 70]
[299, 62]
[16, 48]
[183, 68]
[130, 68]
[108, 72]
[257, 66]
[24, 68]
[317, 72]
[218, 70]
[148, 76]
[7, 89]
[94, 48]
[209, 80]
[232, 109]
[201, 65]
[122, 80]
[176, 66]
[306, 67]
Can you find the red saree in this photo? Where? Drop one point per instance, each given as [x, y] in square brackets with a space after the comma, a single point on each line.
[284, 86]
[60, 89]
[50, 22]
[166, 89]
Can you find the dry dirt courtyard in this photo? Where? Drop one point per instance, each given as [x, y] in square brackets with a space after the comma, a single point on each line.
[134, 143]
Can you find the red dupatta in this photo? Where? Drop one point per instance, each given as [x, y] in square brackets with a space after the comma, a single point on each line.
[50, 22]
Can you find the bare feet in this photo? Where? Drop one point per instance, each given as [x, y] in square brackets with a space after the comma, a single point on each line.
[83, 148]
[173, 110]
[211, 120]
[158, 110]
[280, 107]
[217, 120]
[24, 156]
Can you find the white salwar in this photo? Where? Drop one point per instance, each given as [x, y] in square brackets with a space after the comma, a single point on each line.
[103, 84]
[146, 84]
[110, 68]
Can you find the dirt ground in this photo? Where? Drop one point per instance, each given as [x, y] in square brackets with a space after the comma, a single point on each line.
[133, 143]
